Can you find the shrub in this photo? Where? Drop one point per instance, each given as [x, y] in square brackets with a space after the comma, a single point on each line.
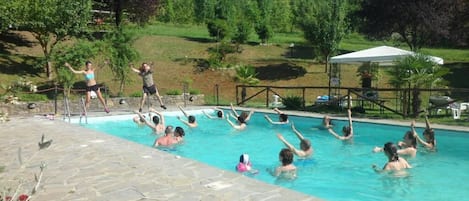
[174, 92]
[32, 97]
[293, 102]
[194, 91]
[136, 94]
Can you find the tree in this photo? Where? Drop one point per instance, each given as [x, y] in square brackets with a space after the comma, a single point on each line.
[418, 22]
[323, 24]
[415, 72]
[121, 54]
[52, 21]
[181, 11]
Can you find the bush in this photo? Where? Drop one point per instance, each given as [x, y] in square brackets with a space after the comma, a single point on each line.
[293, 102]
[136, 94]
[174, 92]
[32, 97]
[194, 91]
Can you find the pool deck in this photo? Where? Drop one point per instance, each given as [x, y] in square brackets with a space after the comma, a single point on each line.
[82, 164]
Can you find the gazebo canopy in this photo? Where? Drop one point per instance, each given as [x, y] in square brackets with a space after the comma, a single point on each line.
[384, 55]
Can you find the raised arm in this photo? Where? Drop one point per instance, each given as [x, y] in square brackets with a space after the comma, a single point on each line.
[73, 70]
[278, 111]
[249, 116]
[297, 133]
[231, 123]
[349, 111]
[132, 67]
[427, 123]
[207, 115]
[332, 132]
[233, 110]
[269, 119]
[148, 123]
[182, 110]
[419, 140]
[184, 121]
[290, 146]
[162, 121]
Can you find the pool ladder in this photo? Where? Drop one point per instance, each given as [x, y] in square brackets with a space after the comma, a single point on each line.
[83, 113]
[67, 113]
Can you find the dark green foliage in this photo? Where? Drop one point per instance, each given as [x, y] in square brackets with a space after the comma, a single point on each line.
[293, 102]
[32, 97]
[174, 92]
[219, 29]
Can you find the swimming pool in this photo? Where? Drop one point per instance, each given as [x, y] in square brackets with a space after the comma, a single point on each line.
[338, 171]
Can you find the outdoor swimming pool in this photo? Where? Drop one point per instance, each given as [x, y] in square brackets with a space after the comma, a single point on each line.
[338, 171]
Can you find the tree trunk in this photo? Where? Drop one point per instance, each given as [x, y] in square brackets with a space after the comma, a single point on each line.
[416, 102]
[48, 69]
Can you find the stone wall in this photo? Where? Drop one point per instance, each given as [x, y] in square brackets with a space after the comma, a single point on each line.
[115, 104]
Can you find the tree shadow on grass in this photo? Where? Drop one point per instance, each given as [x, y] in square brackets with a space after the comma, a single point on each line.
[13, 63]
[200, 40]
[282, 71]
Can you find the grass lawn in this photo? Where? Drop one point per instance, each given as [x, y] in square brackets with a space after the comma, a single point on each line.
[175, 50]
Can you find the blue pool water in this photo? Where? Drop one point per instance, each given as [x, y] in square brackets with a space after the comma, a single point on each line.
[338, 171]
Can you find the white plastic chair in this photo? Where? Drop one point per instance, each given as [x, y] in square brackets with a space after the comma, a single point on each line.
[457, 108]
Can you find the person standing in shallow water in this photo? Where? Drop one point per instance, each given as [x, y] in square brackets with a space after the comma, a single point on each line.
[90, 84]
[149, 87]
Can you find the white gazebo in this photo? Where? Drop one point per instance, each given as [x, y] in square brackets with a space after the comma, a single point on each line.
[384, 55]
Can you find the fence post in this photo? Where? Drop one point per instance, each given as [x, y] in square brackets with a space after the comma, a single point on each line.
[55, 99]
[237, 98]
[267, 97]
[216, 94]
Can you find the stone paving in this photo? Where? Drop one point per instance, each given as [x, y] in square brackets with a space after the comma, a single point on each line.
[82, 164]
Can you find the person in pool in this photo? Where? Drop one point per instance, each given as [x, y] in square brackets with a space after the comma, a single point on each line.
[178, 135]
[407, 147]
[245, 165]
[165, 140]
[220, 114]
[149, 87]
[282, 117]
[286, 170]
[241, 124]
[90, 84]
[190, 119]
[244, 114]
[346, 130]
[326, 122]
[139, 120]
[158, 124]
[306, 150]
[428, 134]
[395, 163]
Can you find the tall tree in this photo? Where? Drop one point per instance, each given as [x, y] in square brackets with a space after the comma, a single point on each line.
[323, 24]
[121, 54]
[415, 72]
[52, 21]
[418, 22]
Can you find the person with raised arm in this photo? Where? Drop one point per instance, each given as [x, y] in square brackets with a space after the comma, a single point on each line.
[149, 87]
[306, 150]
[282, 117]
[245, 115]
[91, 84]
[158, 124]
[428, 134]
[191, 122]
[241, 124]
[395, 163]
[407, 147]
[346, 130]
[220, 114]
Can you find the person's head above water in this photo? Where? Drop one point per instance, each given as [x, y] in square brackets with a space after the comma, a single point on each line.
[219, 114]
[168, 130]
[346, 130]
[391, 151]
[286, 156]
[191, 119]
[179, 131]
[283, 117]
[156, 119]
